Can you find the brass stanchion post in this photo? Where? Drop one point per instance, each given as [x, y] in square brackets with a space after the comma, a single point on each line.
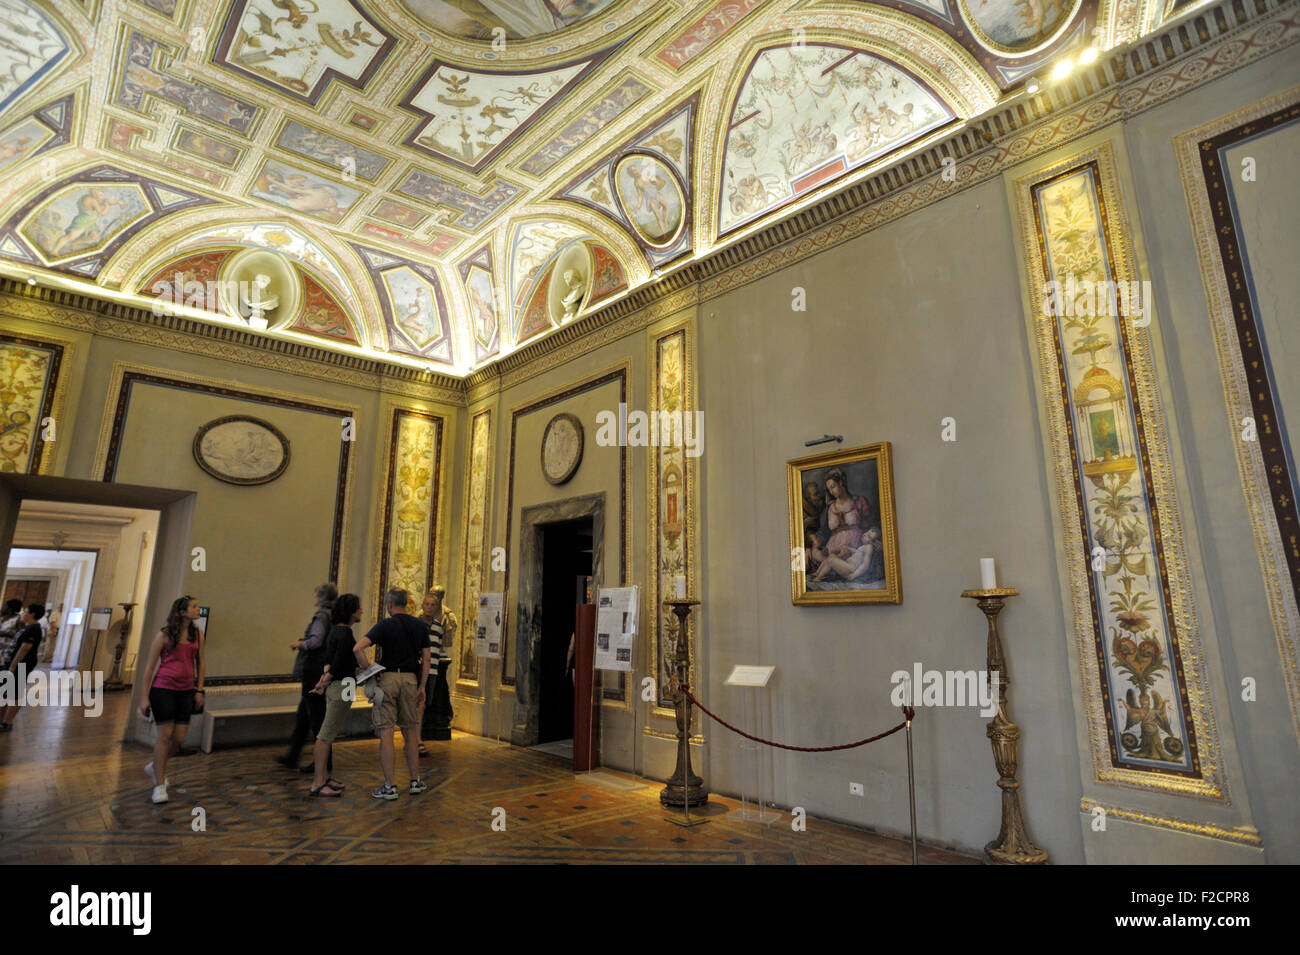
[1013, 845]
[684, 788]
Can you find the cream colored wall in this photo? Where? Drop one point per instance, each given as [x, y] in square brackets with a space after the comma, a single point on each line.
[267, 546]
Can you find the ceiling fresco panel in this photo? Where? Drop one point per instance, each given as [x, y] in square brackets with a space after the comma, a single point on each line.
[41, 130]
[345, 158]
[303, 192]
[298, 46]
[76, 224]
[31, 46]
[140, 78]
[469, 116]
[617, 101]
[495, 145]
[806, 115]
[476, 276]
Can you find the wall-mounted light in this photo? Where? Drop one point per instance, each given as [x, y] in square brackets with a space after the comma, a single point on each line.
[1031, 86]
[31, 281]
[1061, 70]
[1088, 55]
[838, 438]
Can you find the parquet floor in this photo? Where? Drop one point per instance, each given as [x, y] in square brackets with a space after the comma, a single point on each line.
[71, 792]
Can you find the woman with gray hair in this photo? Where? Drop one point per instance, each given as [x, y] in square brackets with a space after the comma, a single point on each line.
[308, 668]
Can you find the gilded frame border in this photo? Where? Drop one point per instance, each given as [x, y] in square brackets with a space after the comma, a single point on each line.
[1231, 312]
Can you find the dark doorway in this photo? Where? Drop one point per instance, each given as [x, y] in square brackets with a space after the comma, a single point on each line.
[566, 562]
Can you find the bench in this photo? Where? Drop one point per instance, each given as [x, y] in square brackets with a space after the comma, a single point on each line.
[244, 715]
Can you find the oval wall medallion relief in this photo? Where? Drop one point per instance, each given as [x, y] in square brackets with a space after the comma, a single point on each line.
[238, 449]
[561, 448]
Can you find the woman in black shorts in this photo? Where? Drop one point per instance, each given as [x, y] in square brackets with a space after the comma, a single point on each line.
[175, 672]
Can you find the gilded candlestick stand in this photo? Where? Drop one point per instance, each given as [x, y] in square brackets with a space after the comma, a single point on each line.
[684, 788]
[1013, 845]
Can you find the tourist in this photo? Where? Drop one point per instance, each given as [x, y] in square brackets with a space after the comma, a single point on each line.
[403, 642]
[436, 714]
[340, 667]
[22, 651]
[10, 622]
[174, 676]
[308, 667]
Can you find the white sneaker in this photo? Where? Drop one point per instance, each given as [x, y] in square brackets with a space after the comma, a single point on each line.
[160, 793]
[153, 777]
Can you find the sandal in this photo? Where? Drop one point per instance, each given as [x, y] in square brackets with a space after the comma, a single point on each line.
[326, 791]
[333, 783]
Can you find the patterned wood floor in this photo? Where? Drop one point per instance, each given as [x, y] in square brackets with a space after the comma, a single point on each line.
[74, 794]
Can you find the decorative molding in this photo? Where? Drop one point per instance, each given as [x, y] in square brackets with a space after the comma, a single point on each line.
[125, 322]
[1241, 835]
[1267, 482]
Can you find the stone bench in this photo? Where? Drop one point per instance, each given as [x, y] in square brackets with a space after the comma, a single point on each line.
[249, 714]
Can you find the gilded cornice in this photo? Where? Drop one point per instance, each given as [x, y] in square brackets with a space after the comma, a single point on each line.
[1242, 835]
[125, 322]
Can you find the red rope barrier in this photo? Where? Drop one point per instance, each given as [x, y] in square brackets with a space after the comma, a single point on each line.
[908, 713]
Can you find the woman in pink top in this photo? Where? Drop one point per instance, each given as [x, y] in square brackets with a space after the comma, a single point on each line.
[175, 673]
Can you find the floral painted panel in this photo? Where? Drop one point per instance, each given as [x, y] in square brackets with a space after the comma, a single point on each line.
[475, 535]
[28, 374]
[1143, 683]
[669, 490]
[410, 527]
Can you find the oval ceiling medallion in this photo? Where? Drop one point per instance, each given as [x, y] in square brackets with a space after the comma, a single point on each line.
[651, 197]
[238, 449]
[1017, 26]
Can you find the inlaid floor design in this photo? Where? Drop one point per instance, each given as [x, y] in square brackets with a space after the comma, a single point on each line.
[73, 793]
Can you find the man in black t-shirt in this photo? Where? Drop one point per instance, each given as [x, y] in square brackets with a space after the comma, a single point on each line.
[24, 650]
[403, 641]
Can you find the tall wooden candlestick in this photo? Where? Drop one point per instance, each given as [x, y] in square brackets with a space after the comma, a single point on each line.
[1013, 845]
[684, 788]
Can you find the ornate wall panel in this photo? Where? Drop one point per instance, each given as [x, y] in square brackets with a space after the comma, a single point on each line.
[1148, 710]
[673, 492]
[125, 377]
[29, 383]
[1247, 368]
[408, 540]
[478, 487]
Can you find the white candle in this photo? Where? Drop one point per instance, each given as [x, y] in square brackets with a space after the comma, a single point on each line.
[679, 587]
[988, 576]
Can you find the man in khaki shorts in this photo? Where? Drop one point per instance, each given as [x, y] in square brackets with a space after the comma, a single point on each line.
[403, 642]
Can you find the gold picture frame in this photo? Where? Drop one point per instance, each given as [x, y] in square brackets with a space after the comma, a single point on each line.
[836, 501]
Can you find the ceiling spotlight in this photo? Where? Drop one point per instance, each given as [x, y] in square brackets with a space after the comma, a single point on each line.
[31, 281]
[1088, 55]
[1062, 69]
[1032, 85]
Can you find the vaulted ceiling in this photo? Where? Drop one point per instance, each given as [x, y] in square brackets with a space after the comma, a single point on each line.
[448, 179]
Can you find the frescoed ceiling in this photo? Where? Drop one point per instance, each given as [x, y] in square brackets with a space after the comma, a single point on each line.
[448, 179]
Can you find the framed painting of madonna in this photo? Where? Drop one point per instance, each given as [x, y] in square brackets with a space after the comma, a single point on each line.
[843, 533]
